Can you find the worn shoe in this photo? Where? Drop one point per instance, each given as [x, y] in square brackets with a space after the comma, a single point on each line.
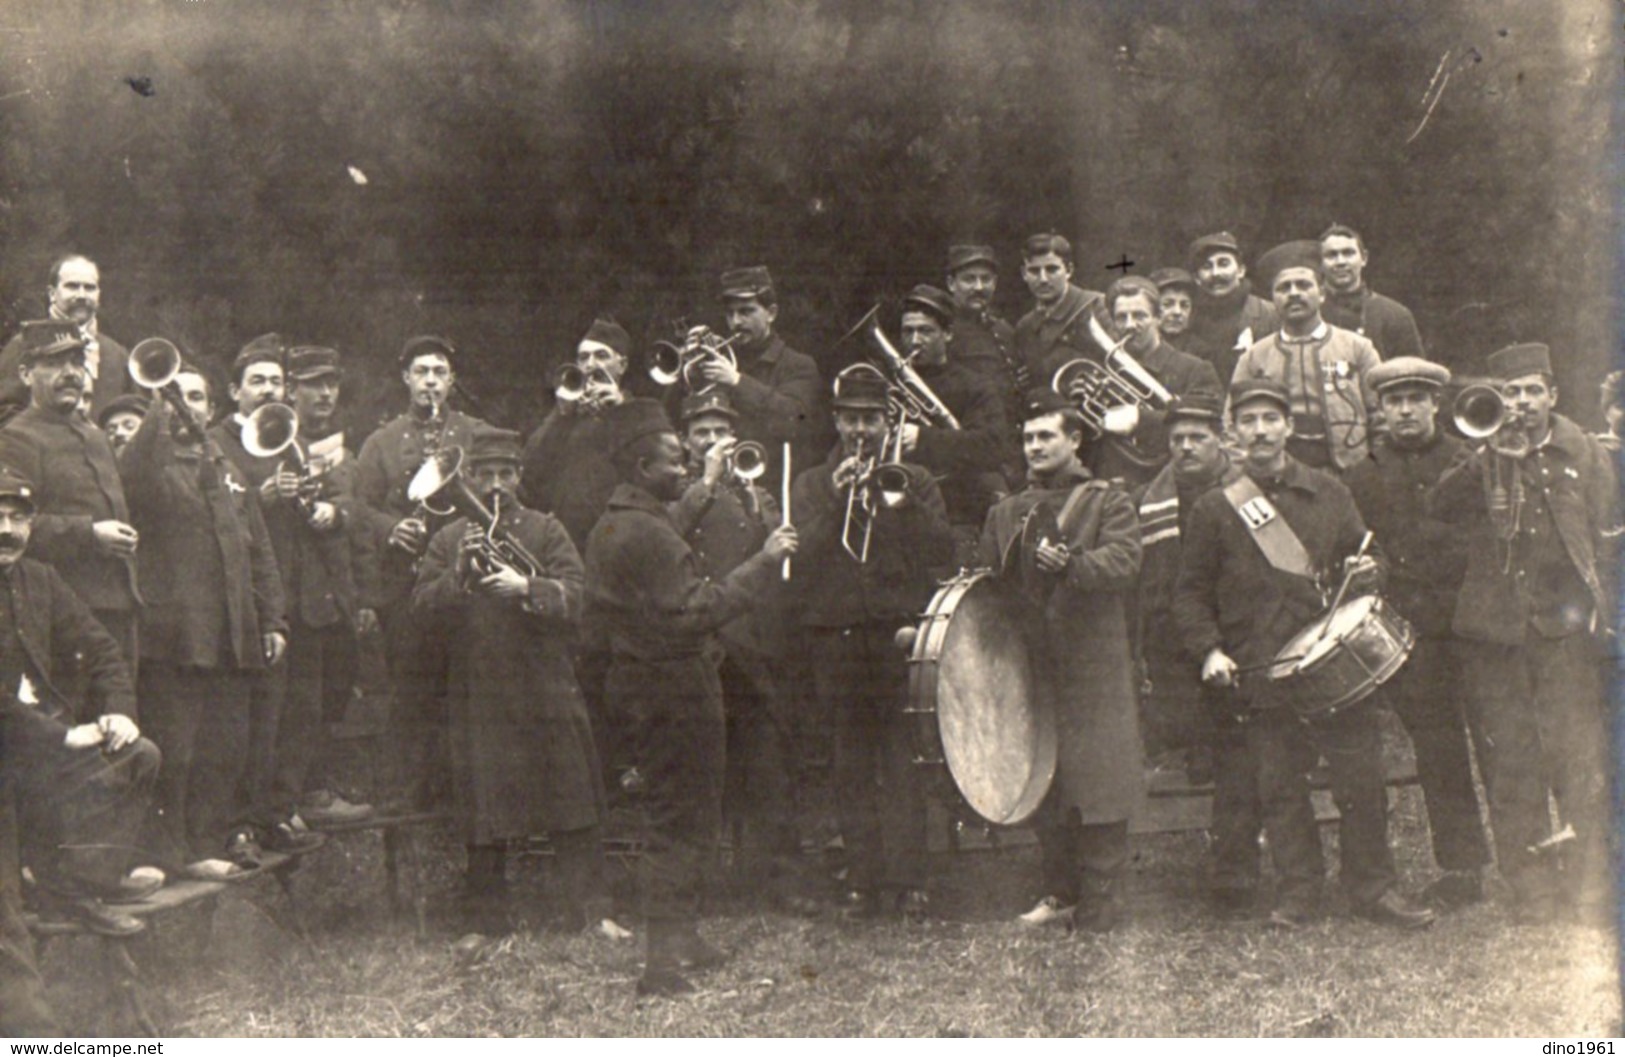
[325, 806]
[1457, 889]
[1050, 910]
[283, 837]
[213, 870]
[1393, 908]
[135, 886]
[1293, 913]
[93, 915]
[914, 905]
[1099, 917]
[243, 849]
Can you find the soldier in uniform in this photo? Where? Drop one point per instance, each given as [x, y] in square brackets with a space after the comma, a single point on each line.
[968, 461]
[1176, 292]
[83, 526]
[523, 762]
[394, 533]
[725, 517]
[852, 608]
[1077, 571]
[983, 342]
[659, 614]
[1178, 712]
[1262, 555]
[1540, 506]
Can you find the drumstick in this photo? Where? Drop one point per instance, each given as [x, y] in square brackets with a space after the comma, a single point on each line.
[1342, 589]
[784, 508]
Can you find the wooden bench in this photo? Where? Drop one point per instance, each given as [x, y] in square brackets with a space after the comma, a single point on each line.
[123, 969]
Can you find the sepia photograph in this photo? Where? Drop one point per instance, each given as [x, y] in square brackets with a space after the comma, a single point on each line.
[811, 518]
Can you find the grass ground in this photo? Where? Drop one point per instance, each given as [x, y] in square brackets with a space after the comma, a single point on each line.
[1173, 970]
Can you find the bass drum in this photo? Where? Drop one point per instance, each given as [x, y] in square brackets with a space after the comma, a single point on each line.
[974, 699]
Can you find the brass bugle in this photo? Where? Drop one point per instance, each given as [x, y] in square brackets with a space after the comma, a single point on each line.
[1479, 411]
[748, 461]
[270, 430]
[670, 364]
[571, 382]
[154, 363]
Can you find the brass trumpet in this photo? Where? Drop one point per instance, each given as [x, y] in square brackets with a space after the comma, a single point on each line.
[154, 363]
[671, 363]
[440, 478]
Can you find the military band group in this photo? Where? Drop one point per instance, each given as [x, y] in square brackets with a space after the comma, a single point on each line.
[656, 599]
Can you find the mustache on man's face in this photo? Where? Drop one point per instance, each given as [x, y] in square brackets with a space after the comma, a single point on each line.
[10, 541]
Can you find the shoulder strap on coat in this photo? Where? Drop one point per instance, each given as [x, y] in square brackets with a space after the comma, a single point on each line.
[1275, 538]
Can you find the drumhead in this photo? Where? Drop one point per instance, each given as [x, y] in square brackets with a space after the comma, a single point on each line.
[997, 739]
[1310, 646]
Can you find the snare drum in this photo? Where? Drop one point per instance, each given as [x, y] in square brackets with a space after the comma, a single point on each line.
[1336, 663]
[973, 696]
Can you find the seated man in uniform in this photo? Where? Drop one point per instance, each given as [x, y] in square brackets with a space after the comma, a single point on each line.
[82, 772]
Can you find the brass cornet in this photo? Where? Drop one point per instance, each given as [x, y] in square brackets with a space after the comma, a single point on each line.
[670, 364]
[272, 429]
[570, 383]
[1480, 412]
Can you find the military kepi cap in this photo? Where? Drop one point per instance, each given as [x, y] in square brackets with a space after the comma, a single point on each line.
[45, 338]
[312, 361]
[1260, 389]
[1515, 361]
[1198, 405]
[932, 301]
[267, 348]
[744, 282]
[966, 254]
[14, 485]
[491, 444]
[712, 402]
[633, 420]
[1408, 370]
[861, 388]
[1041, 401]
[426, 345]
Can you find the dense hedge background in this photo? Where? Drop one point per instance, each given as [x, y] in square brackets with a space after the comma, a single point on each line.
[528, 165]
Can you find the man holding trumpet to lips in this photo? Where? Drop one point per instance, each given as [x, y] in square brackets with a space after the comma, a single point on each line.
[725, 516]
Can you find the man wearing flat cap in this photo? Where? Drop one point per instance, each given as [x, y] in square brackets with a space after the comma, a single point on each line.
[121, 418]
[856, 584]
[1264, 555]
[659, 614]
[394, 532]
[984, 344]
[1540, 506]
[967, 460]
[80, 770]
[1323, 367]
[725, 516]
[1076, 574]
[1427, 558]
[1226, 317]
[1135, 445]
[1179, 714]
[74, 295]
[522, 755]
[83, 526]
[1353, 305]
[774, 388]
[1176, 291]
[1058, 327]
